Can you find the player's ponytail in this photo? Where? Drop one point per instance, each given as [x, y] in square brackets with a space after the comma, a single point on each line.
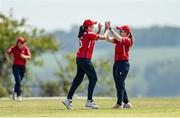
[82, 29]
[131, 37]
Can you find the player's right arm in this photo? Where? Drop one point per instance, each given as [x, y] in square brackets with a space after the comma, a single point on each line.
[8, 54]
[109, 39]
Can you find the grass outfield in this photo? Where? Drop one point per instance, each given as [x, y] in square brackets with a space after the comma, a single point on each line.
[144, 107]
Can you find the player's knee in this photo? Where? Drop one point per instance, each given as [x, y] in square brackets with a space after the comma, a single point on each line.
[93, 79]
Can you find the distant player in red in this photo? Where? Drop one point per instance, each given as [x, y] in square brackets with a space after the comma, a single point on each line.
[123, 42]
[20, 53]
[87, 39]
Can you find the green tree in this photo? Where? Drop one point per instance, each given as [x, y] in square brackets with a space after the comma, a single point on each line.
[38, 41]
[66, 72]
[49, 88]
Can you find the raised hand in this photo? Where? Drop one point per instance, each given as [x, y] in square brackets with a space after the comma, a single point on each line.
[99, 26]
[106, 25]
[109, 24]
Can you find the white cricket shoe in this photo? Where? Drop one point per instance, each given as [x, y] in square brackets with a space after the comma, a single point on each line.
[128, 105]
[91, 104]
[68, 103]
[117, 106]
[19, 98]
[14, 95]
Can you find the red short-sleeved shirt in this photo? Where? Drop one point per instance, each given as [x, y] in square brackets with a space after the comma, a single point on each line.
[17, 54]
[87, 45]
[122, 49]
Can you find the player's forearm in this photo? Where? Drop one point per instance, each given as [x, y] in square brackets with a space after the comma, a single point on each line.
[7, 57]
[104, 36]
[26, 56]
[116, 35]
[109, 39]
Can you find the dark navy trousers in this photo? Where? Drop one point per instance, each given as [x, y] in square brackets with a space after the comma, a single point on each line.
[84, 66]
[120, 71]
[18, 72]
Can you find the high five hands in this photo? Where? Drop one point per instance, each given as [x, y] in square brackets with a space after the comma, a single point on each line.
[107, 25]
[99, 28]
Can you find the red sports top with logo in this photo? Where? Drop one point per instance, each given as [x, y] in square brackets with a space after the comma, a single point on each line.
[122, 49]
[17, 54]
[87, 45]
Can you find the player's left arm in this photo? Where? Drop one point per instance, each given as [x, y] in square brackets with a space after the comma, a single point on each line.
[26, 56]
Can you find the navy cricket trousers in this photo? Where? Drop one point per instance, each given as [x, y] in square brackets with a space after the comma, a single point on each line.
[84, 66]
[18, 72]
[120, 71]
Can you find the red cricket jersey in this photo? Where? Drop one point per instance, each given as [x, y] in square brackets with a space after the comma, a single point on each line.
[17, 54]
[87, 45]
[122, 49]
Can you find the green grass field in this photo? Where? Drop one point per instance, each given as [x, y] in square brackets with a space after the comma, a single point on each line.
[144, 107]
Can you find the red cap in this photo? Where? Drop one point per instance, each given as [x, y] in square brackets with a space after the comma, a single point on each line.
[89, 22]
[125, 28]
[21, 40]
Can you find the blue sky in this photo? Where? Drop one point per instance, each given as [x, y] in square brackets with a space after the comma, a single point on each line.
[62, 14]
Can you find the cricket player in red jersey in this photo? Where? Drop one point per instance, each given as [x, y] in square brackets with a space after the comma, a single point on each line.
[20, 53]
[123, 42]
[87, 39]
